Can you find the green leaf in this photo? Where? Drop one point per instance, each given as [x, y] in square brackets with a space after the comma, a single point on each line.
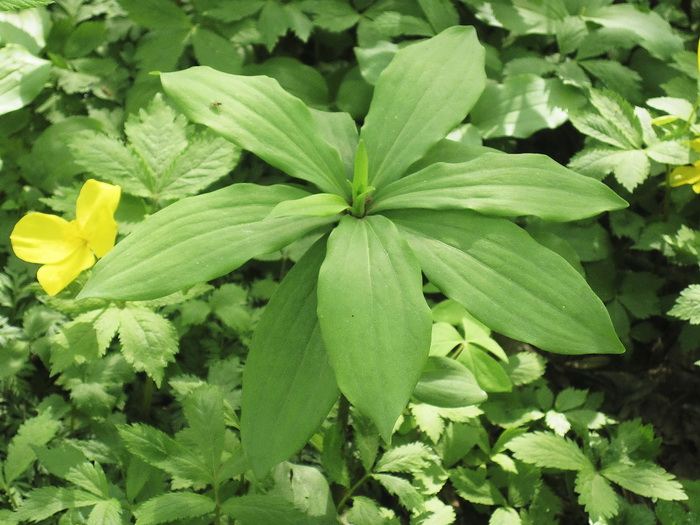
[173, 507]
[307, 488]
[317, 205]
[33, 432]
[440, 13]
[12, 5]
[548, 450]
[489, 374]
[671, 152]
[160, 450]
[508, 281]
[78, 345]
[521, 17]
[687, 305]
[422, 95]
[505, 516]
[374, 318]
[651, 31]
[91, 478]
[524, 104]
[408, 496]
[473, 486]
[108, 512]
[263, 510]
[502, 184]
[259, 116]
[156, 14]
[448, 383]
[408, 458]
[149, 341]
[22, 77]
[616, 77]
[631, 167]
[334, 16]
[215, 51]
[204, 410]
[570, 398]
[303, 81]
[43, 503]
[646, 479]
[288, 384]
[197, 239]
[596, 495]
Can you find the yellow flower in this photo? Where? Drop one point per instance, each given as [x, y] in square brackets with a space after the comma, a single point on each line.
[67, 248]
[686, 175]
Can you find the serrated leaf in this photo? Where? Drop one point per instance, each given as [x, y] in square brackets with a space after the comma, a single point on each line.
[204, 410]
[366, 511]
[12, 5]
[557, 422]
[596, 495]
[436, 513]
[639, 294]
[671, 152]
[429, 420]
[438, 81]
[263, 510]
[616, 77]
[505, 516]
[646, 479]
[570, 398]
[334, 16]
[548, 450]
[107, 512]
[632, 169]
[156, 14]
[402, 488]
[172, 507]
[525, 367]
[411, 457]
[149, 341]
[473, 486]
[91, 478]
[78, 345]
[370, 278]
[687, 305]
[160, 450]
[43, 503]
[33, 432]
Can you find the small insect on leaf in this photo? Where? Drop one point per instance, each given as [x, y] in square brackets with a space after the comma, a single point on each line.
[216, 107]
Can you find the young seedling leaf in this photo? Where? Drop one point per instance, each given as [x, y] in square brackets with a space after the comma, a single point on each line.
[427, 89]
[316, 205]
[288, 384]
[374, 319]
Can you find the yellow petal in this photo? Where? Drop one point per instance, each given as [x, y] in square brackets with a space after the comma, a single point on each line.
[42, 238]
[684, 175]
[695, 144]
[55, 277]
[696, 187]
[698, 55]
[95, 209]
[666, 119]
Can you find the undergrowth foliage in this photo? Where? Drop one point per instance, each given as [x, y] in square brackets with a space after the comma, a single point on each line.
[350, 285]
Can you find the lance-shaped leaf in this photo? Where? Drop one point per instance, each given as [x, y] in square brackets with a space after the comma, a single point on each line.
[374, 319]
[508, 281]
[502, 184]
[260, 116]
[197, 239]
[421, 96]
[288, 385]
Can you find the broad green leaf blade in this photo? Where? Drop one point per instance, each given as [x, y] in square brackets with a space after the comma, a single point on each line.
[197, 239]
[316, 205]
[504, 185]
[508, 281]
[646, 479]
[489, 374]
[256, 509]
[448, 383]
[546, 449]
[288, 384]
[374, 319]
[172, 507]
[258, 115]
[420, 97]
[524, 104]
[22, 77]
[596, 494]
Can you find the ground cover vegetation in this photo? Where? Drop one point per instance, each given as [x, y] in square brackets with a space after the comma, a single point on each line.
[349, 261]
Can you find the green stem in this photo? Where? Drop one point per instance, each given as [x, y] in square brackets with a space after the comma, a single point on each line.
[147, 397]
[350, 492]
